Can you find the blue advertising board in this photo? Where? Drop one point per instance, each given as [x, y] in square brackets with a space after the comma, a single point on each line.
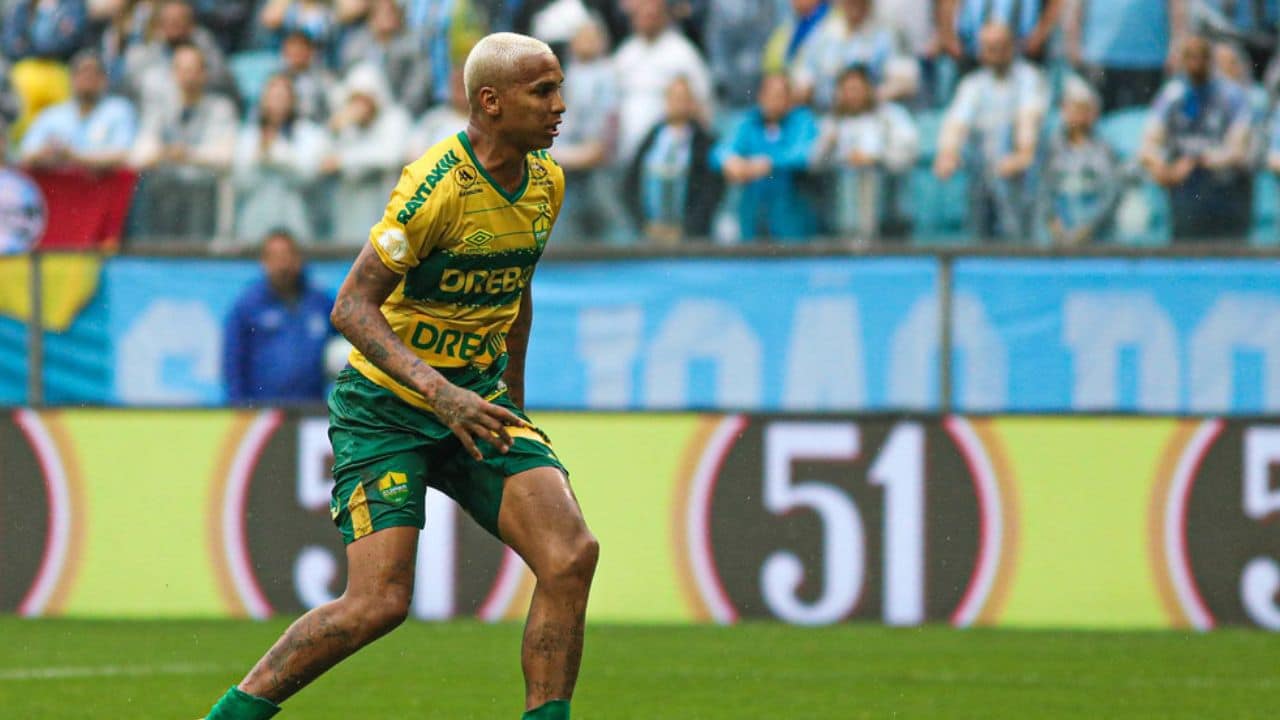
[758, 334]
[1150, 335]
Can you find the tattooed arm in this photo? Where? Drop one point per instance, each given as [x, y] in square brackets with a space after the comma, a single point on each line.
[517, 344]
[357, 314]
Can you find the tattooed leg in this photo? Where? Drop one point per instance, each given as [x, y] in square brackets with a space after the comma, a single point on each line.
[379, 588]
[540, 519]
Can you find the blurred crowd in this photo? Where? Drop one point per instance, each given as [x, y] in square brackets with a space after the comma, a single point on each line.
[1021, 121]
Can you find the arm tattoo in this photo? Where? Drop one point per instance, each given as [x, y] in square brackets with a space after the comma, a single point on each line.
[358, 315]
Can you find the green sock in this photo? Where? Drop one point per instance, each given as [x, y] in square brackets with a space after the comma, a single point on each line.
[554, 710]
[240, 705]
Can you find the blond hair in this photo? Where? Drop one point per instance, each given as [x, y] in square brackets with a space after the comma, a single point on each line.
[493, 60]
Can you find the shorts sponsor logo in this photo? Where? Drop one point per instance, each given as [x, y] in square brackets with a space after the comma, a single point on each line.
[438, 173]
[394, 487]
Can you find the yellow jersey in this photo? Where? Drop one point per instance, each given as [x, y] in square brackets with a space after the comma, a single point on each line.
[467, 249]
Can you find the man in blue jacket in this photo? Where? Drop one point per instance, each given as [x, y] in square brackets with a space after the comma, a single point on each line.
[273, 351]
[767, 154]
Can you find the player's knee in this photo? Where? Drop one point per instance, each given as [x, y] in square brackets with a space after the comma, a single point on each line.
[575, 561]
[385, 610]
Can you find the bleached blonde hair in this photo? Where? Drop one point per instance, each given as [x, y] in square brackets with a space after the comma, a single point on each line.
[493, 60]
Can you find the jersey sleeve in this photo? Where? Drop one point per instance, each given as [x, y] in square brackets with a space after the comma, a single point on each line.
[411, 226]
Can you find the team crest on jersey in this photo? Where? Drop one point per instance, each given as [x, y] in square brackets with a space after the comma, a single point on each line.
[477, 242]
[466, 176]
[542, 226]
[537, 170]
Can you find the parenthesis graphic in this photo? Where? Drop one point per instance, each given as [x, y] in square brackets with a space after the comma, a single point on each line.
[1177, 559]
[234, 499]
[57, 546]
[698, 520]
[993, 534]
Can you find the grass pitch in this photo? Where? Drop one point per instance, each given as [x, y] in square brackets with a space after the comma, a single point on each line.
[55, 669]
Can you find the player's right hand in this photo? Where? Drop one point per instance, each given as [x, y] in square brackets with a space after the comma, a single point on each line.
[473, 418]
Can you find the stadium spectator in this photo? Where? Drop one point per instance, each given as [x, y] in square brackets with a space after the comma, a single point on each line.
[784, 44]
[314, 86]
[867, 146]
[440, 121]
[383, 41]
[277, 160]
[149, 65]
[766, 156]
[993, 127]
[1273, 143]
[121, 25]
[1252, 24]
[585, 147]
[736, 32]
[1124, 46]
[45, 29]
[647, 62]
[554, 22]
[448, 29]
[230, 21]
[39, 37]
[368, 130]
[670, 186]
[184, 151]
[852, 36]
[273, 347]
[1081, 183]
[312, 18]
[92, 130]
[960, 25]
[1197, 145]
[10, 108]
[915, 23]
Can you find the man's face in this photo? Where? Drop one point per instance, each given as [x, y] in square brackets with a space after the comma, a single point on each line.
[649, 17]
[384, 17]
[277, 100]
[682, 106]
[175, 22]
[297, 53]
[775, 97]
[531, 104]
[188, 70]
[1196, 61]
[854, 94]
[996, 47]
[855, 11]
[282, 263]
[88, 81]
[1078, 114]
[802, 8]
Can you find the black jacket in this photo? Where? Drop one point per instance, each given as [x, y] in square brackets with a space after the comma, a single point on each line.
[705, 184]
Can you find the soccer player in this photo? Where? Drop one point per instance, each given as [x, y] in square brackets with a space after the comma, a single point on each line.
[438, 308]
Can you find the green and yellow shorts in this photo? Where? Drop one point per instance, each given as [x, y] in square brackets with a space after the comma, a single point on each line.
[386, 453]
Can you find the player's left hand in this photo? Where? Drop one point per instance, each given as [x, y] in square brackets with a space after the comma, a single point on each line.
[473, 418]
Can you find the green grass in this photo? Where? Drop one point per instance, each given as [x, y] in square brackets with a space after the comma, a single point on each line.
[55, 669]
